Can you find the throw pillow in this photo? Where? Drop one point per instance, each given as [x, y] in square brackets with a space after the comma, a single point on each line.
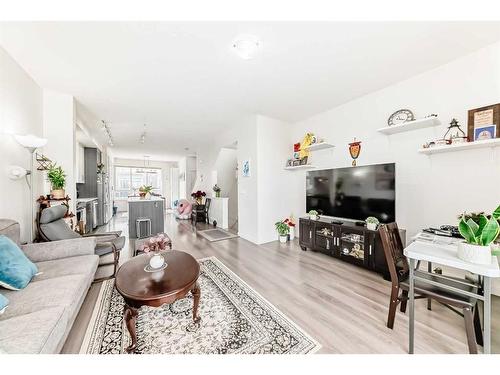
[4, 302]
[16, 270]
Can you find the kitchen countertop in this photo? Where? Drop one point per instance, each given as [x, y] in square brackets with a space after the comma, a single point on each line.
[138, 199]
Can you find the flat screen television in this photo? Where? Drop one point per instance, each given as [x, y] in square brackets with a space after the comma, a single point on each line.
[353, 193]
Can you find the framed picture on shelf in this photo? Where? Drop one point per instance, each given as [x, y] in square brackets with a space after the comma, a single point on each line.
[482, 120]
[485, 132]
[296, 163]
[289, 163]
[303, 161]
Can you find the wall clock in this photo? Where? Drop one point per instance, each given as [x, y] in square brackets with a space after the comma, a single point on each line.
[400, 117]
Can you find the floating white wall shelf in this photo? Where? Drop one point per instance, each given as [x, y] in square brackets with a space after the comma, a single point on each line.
[427, 122]
[305, 166]
[461, 146]
[319, 146]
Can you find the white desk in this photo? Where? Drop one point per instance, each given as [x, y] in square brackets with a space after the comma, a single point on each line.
[446, 255]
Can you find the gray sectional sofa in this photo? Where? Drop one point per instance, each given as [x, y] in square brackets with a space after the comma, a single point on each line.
[39, 317]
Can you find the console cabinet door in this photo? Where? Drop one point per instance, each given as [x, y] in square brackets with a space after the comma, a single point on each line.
[324, 238]
[306, 233]
[355, 246]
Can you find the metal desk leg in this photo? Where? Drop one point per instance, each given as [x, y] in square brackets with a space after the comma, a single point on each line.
[487, 315]
[412, 307]
[429, 301]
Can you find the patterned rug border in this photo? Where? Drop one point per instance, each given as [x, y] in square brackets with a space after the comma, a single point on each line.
[100, 299]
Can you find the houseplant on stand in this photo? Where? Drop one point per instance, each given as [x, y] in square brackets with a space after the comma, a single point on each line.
[479, 233]
[283, 230]
[57, 179]
[291, 225]
[313, 215]
[372, 223]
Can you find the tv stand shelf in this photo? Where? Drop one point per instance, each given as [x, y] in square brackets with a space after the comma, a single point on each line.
[348, 242]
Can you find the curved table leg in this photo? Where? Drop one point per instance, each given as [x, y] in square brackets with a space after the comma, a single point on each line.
[130, 316]
[196, 291]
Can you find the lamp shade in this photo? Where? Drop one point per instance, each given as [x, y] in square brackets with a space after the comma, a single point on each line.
[30, 141]
[16, 172]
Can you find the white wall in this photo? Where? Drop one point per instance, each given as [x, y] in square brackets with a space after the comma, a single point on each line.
[59, 129]
[225, 169]
[20, 113]
[429, 190]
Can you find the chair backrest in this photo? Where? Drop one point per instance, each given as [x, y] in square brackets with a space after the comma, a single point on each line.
[52, 226]
[393, 251]
[207, 204]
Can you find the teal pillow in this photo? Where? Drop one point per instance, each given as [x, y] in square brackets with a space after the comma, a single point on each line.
[3, 303]
[16, 271]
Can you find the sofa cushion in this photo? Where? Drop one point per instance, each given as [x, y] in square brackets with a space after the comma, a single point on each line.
[64, 291]
[84, 265]
[53, 213]
[37, 332]
[16, 270]
[4, 302]
[11, 229]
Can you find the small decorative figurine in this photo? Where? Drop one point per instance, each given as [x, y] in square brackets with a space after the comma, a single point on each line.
[354, 150]
[455, 134]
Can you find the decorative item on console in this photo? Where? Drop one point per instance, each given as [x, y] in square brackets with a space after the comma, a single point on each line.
[144, 191]
[400, 117]
[354, 150]
[479, 232]
[216, 189]
[484, 123]
[313, 215]
[372, 223]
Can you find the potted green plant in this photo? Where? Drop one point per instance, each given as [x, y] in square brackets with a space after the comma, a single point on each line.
[283, 230]
[57, 179]
[479, 233]
[313, 215]
[372, 223]
[216, 189]
[144, 190]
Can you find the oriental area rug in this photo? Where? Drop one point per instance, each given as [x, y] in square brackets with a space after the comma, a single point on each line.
[235, 319]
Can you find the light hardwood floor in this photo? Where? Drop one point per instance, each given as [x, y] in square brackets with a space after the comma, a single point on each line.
[340, 305]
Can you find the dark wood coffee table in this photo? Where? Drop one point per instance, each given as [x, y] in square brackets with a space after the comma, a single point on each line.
[141, 288]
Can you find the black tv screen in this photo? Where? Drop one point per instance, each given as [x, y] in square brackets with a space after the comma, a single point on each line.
[353, 193]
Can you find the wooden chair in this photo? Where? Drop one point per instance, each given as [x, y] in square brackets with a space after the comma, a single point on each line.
[399, 271]
[200, 212]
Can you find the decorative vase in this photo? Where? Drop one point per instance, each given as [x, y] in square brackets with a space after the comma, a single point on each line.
[142, 195]
[283, 239]
[217, 194]
[371, 226]
[157, 261]
[58, 194]
[199, 201]
[292, 233]
[474, 253]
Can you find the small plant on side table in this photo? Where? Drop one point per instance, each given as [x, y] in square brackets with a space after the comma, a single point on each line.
[479, 233]
[57, 179]
[216, 190]
[283, 230]
[144, 190]
[313, 215]
[372, 223]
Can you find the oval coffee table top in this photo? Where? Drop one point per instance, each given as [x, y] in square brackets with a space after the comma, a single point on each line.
[133, 283]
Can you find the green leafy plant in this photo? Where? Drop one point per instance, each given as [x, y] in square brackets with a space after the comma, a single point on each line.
[146, 189]
[372, 220]
[313, 212]
[57, 177]
[282, 228]
[480, 230]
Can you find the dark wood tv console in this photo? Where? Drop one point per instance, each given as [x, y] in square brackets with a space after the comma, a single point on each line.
[347, 241]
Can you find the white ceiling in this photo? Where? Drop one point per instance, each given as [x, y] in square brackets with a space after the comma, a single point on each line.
[183, 80]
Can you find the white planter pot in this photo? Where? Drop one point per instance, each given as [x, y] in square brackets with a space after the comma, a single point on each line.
[371, 226]
[313, 217]
[157, 261]
[292, 233]
[283, 239]
[474, 253]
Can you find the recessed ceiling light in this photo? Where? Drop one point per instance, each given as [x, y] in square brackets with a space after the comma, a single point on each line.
[246, 46]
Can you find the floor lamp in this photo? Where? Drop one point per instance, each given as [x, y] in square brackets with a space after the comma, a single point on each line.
[30, 142]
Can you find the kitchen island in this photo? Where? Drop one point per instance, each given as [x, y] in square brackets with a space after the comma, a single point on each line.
[145, 216]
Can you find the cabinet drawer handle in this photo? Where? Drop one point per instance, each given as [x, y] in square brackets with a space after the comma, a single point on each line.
[310, 234]
[370, 249]
[327, 244]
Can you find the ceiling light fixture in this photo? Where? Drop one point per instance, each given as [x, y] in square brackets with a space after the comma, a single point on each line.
[246, 46]
[105, 128]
